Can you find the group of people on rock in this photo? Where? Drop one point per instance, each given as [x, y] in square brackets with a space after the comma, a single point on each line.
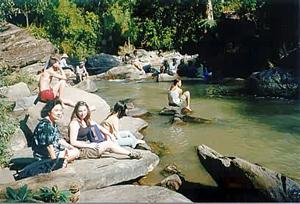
[86, 135]
[87, 138]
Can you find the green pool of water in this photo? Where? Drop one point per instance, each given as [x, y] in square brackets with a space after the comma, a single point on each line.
[261, 131]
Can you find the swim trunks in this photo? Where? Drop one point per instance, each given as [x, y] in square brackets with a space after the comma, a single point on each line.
[46, 95]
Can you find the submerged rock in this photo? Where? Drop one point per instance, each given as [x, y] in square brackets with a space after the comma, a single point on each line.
[133, 194]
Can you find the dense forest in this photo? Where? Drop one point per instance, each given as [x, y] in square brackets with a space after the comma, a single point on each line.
[234, 36]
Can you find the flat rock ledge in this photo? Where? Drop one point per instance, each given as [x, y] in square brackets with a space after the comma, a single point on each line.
[133, 194]
[92, 173]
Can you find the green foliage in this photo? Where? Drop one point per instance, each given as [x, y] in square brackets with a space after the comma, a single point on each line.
[73, 31]
[44, 194]
[23, 195]
[10, 77]
[53, 195]
[38, 32]
[7, 129]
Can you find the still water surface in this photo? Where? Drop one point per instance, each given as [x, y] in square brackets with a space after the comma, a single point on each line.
[261, 131]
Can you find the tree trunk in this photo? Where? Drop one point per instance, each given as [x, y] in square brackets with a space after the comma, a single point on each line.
[27, 20]
[209, 10]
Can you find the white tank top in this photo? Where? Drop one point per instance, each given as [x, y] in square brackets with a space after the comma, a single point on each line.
[174, 97]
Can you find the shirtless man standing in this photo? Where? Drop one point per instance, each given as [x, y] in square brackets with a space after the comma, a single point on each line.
[50, 93]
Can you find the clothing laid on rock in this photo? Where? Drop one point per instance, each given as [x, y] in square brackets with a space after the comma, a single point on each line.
[46, 134]
[46, 95]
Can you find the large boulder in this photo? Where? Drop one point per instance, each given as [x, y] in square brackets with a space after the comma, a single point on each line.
[123, 72]
[275, 82]
[16, 91]
[235, 174]
[133, 194]
[102, 108]
[19, 49]
[101, 63]
[87, 85]
[90, 173]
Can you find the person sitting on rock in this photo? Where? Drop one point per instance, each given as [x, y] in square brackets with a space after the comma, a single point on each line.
[46, 92]
[111, 123]
[136, 62]
[47, 140]
[177, 97]
[172, 68]
[81, 72]
[92, 139]
[63, 62]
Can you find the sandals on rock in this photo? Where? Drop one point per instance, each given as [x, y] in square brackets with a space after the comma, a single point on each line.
[135, 155]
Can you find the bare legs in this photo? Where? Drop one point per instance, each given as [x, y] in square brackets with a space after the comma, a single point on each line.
[58, 90]
[115, 148]
[112, 147]
[187, 97]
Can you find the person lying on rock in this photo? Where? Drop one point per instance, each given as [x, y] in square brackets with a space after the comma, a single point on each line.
[136, 62]
[47, 140]
[92, 139]
[177, 97]
[111, 123]
[48, 93]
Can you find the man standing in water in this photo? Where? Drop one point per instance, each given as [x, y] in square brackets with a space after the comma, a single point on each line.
[47, 92]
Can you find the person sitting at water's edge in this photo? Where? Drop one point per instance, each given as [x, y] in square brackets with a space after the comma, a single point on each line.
[81, 72]
[111, 123]
[47, 140]
[46, 92]
[177, 97]
[92, 139]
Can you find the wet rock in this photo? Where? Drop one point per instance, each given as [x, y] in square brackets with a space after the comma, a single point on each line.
[87, 85]
[276, 82]
[16, 91]
[233, 173]
[133, 194]
[172, 182]
[170, 110]
[158, 148]
[20, 49]
[137, 112]
[170, 170]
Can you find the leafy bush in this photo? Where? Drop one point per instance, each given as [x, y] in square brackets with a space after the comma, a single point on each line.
[23, 195]
[44, 194]
[10, 77]
[7, 129]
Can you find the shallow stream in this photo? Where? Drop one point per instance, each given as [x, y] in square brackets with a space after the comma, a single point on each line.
[261, 131]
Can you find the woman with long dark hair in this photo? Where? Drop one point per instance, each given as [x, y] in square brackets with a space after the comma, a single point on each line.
[111, 123]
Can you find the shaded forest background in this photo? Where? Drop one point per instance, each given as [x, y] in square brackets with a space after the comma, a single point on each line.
[233, 37]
